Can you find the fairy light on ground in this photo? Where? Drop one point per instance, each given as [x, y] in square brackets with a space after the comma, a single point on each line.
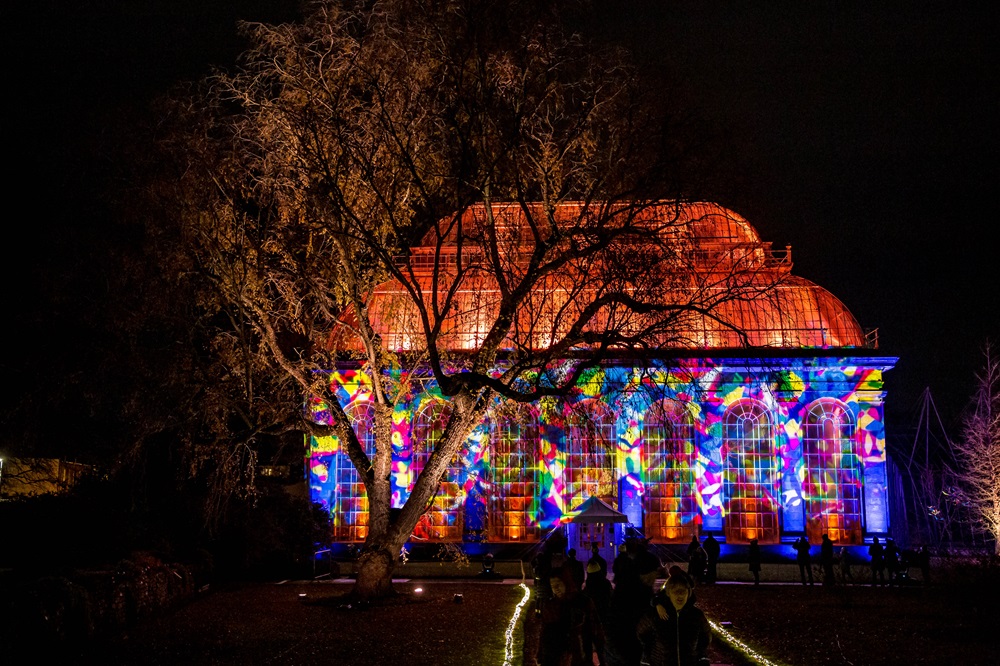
[508, 649]
[736, 643]
[731, 640]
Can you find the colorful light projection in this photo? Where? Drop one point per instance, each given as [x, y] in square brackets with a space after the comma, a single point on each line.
[749, 447]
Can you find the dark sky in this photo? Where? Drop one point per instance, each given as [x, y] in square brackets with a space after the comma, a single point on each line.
[861, 133]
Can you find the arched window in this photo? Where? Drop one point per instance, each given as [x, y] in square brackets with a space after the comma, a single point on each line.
[513, 469]
[590, 456]
[750, 492]
[668, 453]
[832, 485]
[443, 520]
[350, 500]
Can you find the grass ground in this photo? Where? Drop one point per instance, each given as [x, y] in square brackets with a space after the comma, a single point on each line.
[309, 623]
[948, 622]
[859, 625]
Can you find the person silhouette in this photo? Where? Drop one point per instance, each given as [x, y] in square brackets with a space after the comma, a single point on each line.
[876, 553]
[890, 555]
[924, 561]
[826, 559]
[754, 560]
[697, 564]
[568, 621]
[576, 568]
[801, 546]
[635, 577]
[845, 566]
[598, 588]
[595, 558]
[693, 545]
[712, 550]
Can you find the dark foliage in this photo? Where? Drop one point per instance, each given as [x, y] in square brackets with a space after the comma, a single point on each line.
[275, 533]
[273, 538]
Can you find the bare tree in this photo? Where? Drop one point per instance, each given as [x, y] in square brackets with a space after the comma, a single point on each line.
[977, 451]
[378, 164]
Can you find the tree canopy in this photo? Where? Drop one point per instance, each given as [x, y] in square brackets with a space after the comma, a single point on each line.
[302, 182]
[977, 451]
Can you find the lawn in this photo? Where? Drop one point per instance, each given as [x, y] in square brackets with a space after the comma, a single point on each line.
[859, 625]
[948, 622]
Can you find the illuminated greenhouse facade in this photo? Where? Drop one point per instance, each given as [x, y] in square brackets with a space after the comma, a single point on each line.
[769, 436]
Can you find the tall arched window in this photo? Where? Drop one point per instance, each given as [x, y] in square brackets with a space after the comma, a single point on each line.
[668, 453]
[443, 519]
[832, 485]
[590, 455]
[350, 500]
[750, 492]
[513, 499]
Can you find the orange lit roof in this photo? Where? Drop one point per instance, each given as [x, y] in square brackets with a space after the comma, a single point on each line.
[794, 314]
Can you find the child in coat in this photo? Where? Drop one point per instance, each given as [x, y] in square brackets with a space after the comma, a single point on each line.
[675, 632]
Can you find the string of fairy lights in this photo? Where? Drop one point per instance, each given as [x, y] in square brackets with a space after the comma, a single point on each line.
[740, 646]
[508, 650]
[735, 643]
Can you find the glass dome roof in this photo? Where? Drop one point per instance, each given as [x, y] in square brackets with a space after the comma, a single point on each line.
[785, 312]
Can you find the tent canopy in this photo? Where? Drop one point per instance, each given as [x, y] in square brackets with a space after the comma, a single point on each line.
[594, 510]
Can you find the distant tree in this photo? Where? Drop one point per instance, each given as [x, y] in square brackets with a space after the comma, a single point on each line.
[978, 451]
[303, 180]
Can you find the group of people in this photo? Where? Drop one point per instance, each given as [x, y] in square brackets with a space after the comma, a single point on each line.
[703, 559]
[890, 566]
[624, 624]
[628, 623]
[827, 560]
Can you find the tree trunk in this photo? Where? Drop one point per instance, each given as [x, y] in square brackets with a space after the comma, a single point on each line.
[387, 536]
[375, 566]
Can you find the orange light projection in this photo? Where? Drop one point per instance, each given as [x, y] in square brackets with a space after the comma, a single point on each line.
[712, 249]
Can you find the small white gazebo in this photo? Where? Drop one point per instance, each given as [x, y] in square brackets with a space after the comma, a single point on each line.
[595, 521]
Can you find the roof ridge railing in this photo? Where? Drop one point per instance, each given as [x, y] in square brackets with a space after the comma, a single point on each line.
[782, 258]
[871, 338]
[707, 251]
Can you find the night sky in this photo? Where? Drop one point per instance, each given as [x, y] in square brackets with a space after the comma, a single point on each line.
[866, 135]
[860, 133]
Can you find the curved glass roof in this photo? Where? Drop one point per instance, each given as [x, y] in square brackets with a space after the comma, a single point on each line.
[714, 247]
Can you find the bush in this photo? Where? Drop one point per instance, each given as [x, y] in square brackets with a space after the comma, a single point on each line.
[56, 611]
[275, 538]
